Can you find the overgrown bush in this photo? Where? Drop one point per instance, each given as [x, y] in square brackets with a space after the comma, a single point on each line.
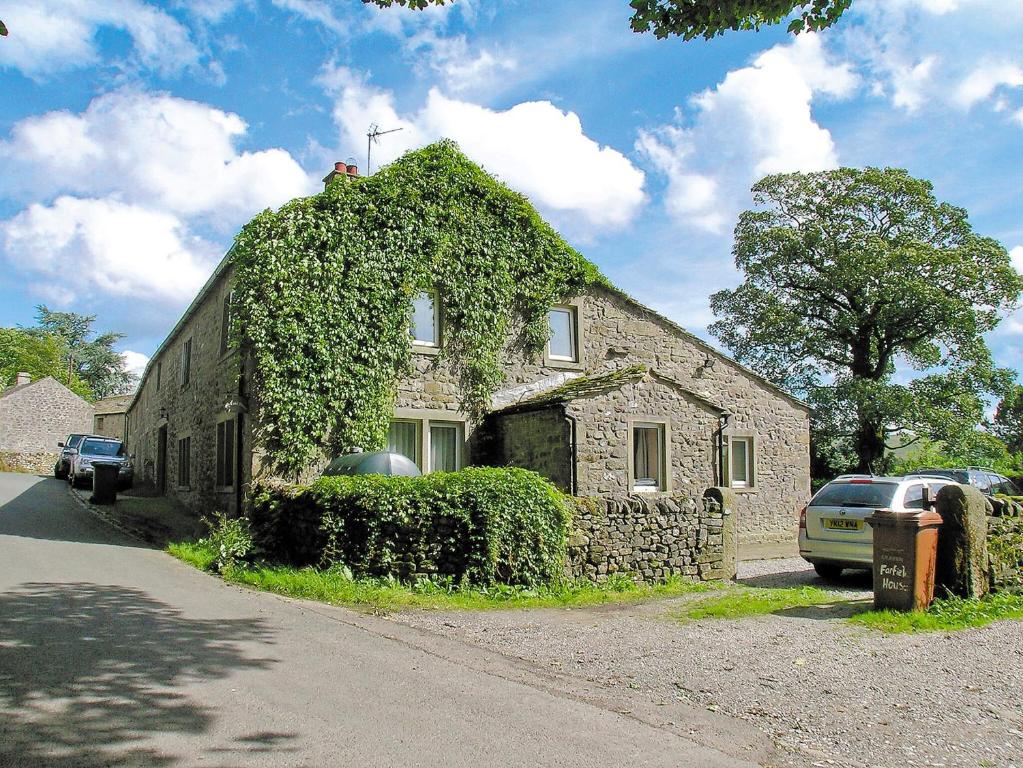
[479, 526]
[229, 539]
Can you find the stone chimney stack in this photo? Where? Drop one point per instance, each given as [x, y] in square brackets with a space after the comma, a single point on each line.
[344, 170]
[22, 378]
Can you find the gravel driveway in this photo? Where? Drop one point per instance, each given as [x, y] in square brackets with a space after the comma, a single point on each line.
[827, 692]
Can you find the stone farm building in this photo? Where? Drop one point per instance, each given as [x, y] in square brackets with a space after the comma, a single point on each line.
[623, 403]
[35, 416]
[108, 420]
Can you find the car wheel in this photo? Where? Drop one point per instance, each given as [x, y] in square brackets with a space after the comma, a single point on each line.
[827, 571]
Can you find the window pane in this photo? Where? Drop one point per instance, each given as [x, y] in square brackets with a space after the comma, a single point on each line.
[403, 438]
[562, 343]
[740, 462]
[914, 497]
[443, 447]
[647, 456]
[424, 319]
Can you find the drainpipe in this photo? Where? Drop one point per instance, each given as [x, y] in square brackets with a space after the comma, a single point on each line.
[572, 425]
[723, 419]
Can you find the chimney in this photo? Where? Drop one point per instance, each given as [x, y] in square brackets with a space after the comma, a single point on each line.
[345, 170]
[22, 378]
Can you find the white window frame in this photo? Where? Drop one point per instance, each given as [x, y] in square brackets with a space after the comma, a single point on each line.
[424, 419]
[573, 333]
[429, 346]
[664, 455]
[750, 441]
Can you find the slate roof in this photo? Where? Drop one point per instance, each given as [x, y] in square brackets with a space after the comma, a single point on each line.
[599, 383]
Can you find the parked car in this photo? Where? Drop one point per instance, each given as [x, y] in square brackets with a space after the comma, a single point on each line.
[987, 481]
[832, 531]
[100, 449]
[67, 450]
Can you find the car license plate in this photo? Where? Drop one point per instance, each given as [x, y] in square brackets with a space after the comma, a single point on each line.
[842, 524]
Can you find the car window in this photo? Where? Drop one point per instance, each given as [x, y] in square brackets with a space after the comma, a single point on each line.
[73, 441]
[980, 481]
[1010, 487]
[101, 448]
[914, 498]
[855, 495]
[995, 482]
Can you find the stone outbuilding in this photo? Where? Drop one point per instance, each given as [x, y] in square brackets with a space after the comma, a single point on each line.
[35, 416]
[110, 412]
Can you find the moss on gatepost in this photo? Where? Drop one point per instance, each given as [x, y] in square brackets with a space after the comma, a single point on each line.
[962, 564]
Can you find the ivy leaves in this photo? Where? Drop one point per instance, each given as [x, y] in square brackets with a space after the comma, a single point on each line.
[324, 287]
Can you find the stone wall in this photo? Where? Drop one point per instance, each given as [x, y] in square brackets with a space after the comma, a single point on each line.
[649, 539]
[35, 417]
[193, 409]
[33, 463]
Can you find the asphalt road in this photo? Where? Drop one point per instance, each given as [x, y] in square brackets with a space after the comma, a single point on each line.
[115, 654]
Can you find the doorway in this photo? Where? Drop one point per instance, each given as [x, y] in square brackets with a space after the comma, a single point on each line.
[161, 460]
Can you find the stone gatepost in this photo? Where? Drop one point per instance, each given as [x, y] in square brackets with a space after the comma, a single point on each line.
[725, 497]
[962, 542]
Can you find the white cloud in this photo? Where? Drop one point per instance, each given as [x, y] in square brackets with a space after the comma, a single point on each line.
[982, 82]
[315, 11]
[460, 67]
[135, 362]
[1017, 258]
[109, 247]
[49, 36]
[152, 149]
[755, 122]
[534, 147]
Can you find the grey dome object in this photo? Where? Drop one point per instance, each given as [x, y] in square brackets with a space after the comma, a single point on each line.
[375, 463]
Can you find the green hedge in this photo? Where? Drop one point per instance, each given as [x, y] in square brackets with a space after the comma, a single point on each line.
[479, 525]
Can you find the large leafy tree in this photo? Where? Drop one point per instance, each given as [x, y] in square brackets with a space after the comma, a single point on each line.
[704, 18]
[37, 355]
[89, 357]
[1008, 421]
[847, 272]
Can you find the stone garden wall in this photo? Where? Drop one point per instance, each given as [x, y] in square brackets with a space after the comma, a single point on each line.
[650, 539]
[39, 463]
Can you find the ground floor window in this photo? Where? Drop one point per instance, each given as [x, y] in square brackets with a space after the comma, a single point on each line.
[648, 457]
[741, 461]
[185, 462]
[225, 453]
[437, 441]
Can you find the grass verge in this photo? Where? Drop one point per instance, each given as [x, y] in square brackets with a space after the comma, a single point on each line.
[740, 602]
[384, 595]
[947, 615]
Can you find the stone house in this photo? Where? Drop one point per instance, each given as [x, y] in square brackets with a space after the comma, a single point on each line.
[35, 416]
[110, 412]
[623, 403]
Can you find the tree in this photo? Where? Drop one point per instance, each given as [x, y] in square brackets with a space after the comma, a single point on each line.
[848, 271]
[37, 355]
[704, 18]
[1008, 422]
[93, 360]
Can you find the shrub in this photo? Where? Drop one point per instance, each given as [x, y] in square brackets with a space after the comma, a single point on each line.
[229, 539]
[479, 526]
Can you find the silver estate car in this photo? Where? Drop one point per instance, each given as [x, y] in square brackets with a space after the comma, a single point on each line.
[832, 534]
[100, 449]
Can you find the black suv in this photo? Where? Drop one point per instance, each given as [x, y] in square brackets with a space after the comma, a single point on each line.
[987, 481]
[67, 450]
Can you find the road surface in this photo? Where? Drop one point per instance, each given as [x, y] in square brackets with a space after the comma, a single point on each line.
[112, 653]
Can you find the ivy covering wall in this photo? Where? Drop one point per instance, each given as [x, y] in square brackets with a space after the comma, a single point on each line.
[324, 289]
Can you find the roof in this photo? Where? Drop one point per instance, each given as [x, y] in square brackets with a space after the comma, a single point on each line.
[45, 379]
[112, 404]
[599, 383]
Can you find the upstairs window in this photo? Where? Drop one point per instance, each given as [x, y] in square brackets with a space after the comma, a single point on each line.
[425, 330]
[186, 362]
[564, 342]
[648, 458]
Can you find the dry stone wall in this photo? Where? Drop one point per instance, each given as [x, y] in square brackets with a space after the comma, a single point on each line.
[649, 539]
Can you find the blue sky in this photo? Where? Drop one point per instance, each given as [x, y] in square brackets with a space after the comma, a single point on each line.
[137, 137]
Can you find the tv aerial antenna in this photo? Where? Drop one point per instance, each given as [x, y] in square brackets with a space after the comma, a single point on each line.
[373, 135]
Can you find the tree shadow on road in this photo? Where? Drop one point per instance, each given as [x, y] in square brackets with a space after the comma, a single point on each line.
[89, 673]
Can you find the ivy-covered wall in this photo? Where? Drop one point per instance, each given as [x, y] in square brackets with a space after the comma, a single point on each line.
[323, 292]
